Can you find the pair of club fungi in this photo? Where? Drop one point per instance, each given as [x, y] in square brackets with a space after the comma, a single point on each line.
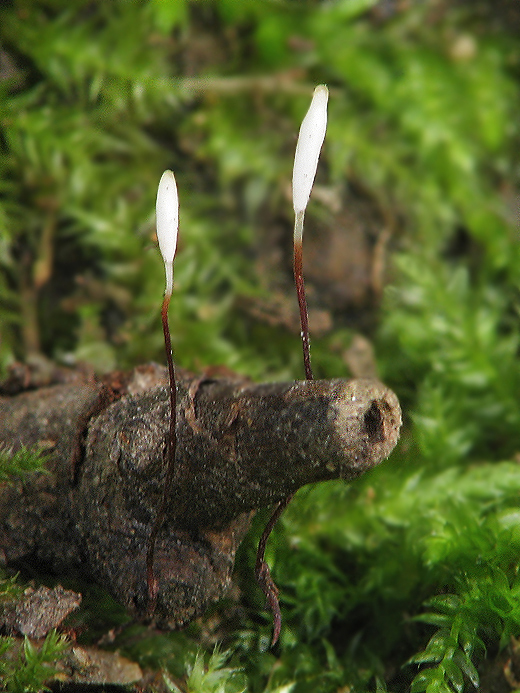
[153, 476]
[308, 148]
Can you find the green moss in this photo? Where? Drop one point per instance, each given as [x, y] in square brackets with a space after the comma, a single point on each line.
[17, 465]
[33, 667]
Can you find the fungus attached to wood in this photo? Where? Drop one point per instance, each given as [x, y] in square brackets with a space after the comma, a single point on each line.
[167, 225]
[308, 148]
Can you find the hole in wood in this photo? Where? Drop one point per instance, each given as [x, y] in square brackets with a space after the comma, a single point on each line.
[374, 424]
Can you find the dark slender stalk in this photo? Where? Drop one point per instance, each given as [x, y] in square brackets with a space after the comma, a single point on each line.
[302, 304]
[263, 574]
[171, 445]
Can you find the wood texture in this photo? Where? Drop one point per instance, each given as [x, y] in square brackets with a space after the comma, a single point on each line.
[240, 447]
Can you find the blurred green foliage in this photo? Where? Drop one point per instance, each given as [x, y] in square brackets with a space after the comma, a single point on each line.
[17, 465]
[33, 667]
[213, 677]
[408, 579]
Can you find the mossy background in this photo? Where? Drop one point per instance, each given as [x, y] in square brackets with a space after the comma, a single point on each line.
[409, 578]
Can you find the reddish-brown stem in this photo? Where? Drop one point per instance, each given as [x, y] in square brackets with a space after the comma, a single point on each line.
[302, 304]
[171, 445]
[262, 572]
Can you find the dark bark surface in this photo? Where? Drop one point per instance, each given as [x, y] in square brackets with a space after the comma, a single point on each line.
[240, 447]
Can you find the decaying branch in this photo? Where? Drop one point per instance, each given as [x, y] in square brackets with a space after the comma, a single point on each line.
[240, 447]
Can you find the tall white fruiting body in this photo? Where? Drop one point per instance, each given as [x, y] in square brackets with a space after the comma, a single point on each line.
[310, 141]
[167, 224]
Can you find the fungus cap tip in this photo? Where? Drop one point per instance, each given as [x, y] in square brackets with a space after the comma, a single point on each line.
[308, 147]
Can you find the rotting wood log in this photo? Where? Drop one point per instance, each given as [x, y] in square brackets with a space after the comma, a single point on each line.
[240, 447]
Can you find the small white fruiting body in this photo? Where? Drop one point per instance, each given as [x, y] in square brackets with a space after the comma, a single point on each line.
[308, 147]
[167, 224]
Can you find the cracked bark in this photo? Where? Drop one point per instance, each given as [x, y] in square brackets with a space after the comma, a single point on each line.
[240, 447]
